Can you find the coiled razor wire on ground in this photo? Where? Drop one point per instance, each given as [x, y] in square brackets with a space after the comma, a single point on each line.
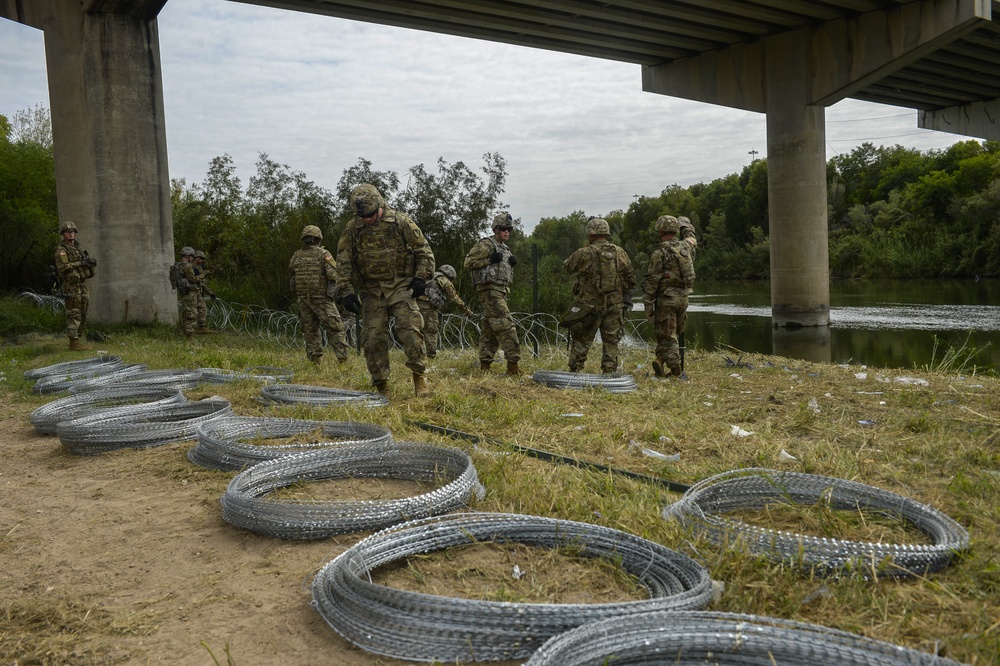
[261, 373]
[246, 503]
[226, 443]
[121, 399]
[93, 366]
[52, 303]
[703, 504]
[612, 383]
[98, 433]
[319, 396]
[180, 380]
[61, 383]
[424, 627]
[690, 638]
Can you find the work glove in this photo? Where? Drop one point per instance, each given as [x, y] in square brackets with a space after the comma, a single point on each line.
[352, 304]
[213, 297]
[496, 257]
[512, 260]
[418, 286]
[89, 261]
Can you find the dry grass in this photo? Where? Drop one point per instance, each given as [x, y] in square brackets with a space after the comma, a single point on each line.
[937, 444]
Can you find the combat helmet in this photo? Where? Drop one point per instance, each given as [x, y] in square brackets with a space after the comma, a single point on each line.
[198, 254]
[365, 200]
[312, 230]
[597, 226]
[448, 271]
[67, 226]
[502, 220]
[187, 251]
[667, 224]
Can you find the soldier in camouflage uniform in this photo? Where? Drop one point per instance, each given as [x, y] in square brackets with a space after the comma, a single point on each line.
[383, 263]
[665, 293]
[201, 273]
[74, 267]
[491, 264]
[188, 291]
[440, 291]
[314, 273]
[603, 290]
[688, 234]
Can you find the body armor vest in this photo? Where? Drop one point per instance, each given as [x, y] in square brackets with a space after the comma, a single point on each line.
[380, 251]
[499, 275]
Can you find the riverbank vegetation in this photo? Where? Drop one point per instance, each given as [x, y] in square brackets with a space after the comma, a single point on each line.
[928, 434]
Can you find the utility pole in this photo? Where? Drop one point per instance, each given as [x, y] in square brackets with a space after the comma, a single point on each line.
[753, 155]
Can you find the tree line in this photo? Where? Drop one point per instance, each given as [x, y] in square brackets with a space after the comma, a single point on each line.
[894, 212]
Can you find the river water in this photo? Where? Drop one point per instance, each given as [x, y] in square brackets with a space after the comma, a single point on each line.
[880, 323]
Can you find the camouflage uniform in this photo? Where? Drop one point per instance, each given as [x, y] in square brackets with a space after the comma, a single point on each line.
[73, 270]
[432, 303]
[492, 280]
[665, 292]
[188, 291]
[607, 301]
[313, 270]
[201, 273]
[377, 263]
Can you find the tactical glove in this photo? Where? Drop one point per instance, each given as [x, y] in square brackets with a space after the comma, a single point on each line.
[352, 304]
[496, 257]
[512, 260]
[89, 261]
[418, 286]
[213, 297]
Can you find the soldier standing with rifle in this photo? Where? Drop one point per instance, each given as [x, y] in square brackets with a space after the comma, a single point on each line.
[665, 293]
[74, 267]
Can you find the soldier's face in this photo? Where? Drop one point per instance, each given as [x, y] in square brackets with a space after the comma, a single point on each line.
[373, 218]
[502, 233]
[69, 234]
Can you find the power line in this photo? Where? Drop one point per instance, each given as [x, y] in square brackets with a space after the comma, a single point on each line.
[864, 120]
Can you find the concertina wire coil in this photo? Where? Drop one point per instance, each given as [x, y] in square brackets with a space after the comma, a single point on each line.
[319, 396]
[424, 627]
[119, 399]
[87, 367]
[695, 638]
[180, 380]
[261, 373]
[229, 443]
[702, 507]
[98, 433]
[246, 503]
[66, 382]
[611, 382]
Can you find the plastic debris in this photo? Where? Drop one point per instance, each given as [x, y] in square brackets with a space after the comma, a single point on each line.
[785, 455]
[915, 381]
[740, 432]
[573, 415]
[736, 375]
[866, 422]
[814, 405]
[517, 573]
[861, 375]
[674, 457]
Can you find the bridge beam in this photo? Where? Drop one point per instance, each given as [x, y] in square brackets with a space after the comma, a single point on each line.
[981, 119]
[110, 146]
[792, 77]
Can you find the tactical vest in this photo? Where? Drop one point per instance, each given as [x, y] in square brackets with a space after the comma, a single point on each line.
[73, 255]
[435, 294]
[380, 251]
[672, 255]
[498, 275]
[183, 285]
[604, 260]
[308, 267]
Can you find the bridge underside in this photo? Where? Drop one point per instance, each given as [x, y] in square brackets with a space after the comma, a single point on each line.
[789, 59]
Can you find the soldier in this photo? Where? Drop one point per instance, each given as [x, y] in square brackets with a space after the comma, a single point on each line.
[440, 291]
[665, 293]
[201, 273]
[688, 234]
[185, 281]
[603, 290]
[491, 264]
[74, 267]
[314, 273]
[383, 263]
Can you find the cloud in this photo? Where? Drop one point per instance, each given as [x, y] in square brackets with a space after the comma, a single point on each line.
[317, 93]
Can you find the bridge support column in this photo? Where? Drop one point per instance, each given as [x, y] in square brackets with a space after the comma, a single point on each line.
[797, 200]
[110, 147]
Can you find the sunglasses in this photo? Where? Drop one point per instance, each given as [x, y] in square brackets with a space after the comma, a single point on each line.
[505, 228]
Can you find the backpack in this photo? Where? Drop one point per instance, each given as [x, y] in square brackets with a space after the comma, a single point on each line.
[172, 272]
[606, 269]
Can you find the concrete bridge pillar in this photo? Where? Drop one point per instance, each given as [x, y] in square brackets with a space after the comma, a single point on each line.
[110, 145]
[796, 177]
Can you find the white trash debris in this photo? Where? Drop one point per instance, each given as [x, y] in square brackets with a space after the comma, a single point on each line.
[740, 432]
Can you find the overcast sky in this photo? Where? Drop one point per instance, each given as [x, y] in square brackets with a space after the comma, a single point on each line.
[317, 93]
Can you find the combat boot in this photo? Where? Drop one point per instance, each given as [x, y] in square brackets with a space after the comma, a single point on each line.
[316, 360]
[420, 385]
[485, 365]
[382, 387]
[204, 330]
[76, 345]
[658, 368]
[675, 370]
[512, 369]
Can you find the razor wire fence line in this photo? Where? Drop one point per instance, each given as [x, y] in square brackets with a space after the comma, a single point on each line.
[426, 627]
[236, 442]
[695, 638]
[704, 505]
[246, 502]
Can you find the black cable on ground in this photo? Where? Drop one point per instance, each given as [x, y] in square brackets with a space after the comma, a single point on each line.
[554, 457]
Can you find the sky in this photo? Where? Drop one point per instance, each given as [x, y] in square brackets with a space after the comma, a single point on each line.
[318, 93]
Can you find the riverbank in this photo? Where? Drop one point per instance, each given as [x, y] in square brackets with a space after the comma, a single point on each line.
[124, 558]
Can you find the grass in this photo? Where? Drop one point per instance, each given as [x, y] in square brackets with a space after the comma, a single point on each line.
[937, 444]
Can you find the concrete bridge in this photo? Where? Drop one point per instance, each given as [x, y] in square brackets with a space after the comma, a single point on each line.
[788, 59]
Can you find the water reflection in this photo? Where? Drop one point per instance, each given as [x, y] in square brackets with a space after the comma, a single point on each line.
[881, 323]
